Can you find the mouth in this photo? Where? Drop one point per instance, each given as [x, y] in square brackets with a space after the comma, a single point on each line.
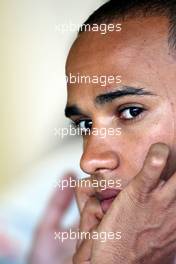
[106, 198]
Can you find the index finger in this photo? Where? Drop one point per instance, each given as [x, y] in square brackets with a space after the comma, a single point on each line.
[58, 204]
[154, 164]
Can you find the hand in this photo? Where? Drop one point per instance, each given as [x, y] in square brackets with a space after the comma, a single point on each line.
[9, 247]
[46, 249]
[91, 215]
[145, 214]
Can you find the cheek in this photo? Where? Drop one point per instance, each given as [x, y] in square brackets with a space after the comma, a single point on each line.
[137, 152]
[134, 145]
[143, 145]
[160, 130]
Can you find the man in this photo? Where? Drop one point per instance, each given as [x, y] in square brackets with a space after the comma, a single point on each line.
[143, 105]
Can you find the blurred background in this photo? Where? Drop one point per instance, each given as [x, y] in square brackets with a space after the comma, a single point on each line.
[32, 101]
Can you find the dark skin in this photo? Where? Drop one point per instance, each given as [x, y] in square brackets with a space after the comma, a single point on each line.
[143, 156]
[145, 209]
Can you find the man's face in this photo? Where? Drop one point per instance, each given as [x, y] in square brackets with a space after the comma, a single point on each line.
[140, 55]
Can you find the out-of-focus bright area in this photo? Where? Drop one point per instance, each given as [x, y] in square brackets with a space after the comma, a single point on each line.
[32, 101]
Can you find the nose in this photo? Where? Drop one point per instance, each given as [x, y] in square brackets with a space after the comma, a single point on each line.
[99, 156]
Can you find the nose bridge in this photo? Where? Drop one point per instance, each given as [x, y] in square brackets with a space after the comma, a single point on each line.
[99, 154]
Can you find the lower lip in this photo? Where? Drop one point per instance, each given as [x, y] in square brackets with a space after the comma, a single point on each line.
[105, 204]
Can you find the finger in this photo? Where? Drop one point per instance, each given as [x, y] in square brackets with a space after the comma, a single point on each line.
[83, 254]
[90, 216]
[58, 205]
[169, 189]
[154, 164]
[83, 192]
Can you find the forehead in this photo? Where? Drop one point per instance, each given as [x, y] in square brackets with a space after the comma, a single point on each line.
[139, 53]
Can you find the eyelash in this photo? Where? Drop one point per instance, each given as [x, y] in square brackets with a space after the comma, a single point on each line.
[135, 118]
[77, 123]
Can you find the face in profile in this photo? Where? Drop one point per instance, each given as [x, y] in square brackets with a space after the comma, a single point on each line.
[142, 105]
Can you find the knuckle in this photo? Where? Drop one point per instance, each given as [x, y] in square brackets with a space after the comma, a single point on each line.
[145, 181]
[145, 178]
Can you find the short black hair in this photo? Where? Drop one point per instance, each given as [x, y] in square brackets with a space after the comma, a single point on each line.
[124, 9]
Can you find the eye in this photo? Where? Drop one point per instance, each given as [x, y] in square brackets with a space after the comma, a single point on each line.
[83, 125]
[132, 112]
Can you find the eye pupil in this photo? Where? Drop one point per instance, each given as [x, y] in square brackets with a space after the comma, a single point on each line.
[85, 124]
[135, 111]
[131, 112]
[88, 124]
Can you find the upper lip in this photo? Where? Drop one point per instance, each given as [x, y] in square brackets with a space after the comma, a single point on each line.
[107, 194]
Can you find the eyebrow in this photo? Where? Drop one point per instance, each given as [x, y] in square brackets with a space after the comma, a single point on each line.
[101, 99]
[123, 91]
